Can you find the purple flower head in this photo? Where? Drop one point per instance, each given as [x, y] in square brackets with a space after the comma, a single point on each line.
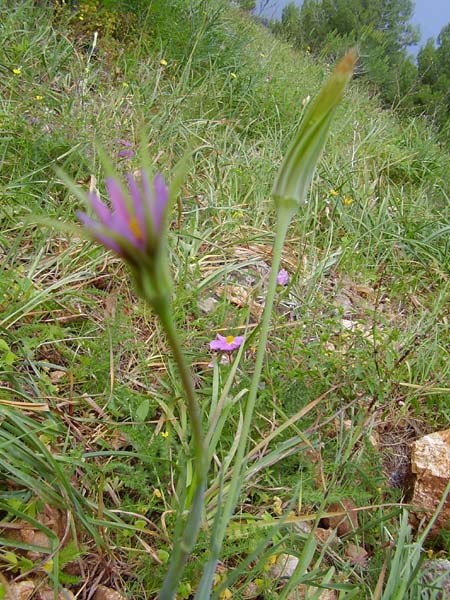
[282, 277]
[134, 221]
[226, 343]
[125, 153]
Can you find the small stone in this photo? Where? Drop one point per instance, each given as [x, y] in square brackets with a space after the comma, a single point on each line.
[306, 591]
[436, 573]
[430, 462]
[208, 305]
[22, 590]
[106, 593]
[284, 566]
[302, 527]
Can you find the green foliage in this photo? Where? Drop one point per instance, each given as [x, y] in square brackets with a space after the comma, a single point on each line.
[380, 23]
[383, 32]
[247, 5]
[433, 69]
[190, 34]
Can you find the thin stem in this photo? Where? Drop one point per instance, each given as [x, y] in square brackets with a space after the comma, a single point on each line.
[284, 216]
[183, 547]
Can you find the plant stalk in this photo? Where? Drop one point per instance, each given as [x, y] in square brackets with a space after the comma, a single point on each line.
[183, 547]
[284, 216]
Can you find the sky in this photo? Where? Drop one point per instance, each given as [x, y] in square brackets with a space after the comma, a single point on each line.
[431, 15]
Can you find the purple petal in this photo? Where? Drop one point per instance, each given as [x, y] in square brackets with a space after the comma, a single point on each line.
[282, 277]
[137, 201]
[137, 224]
[117, 199]
[93, 228]
[124, 143]
[222, 343]
[216, 345]
[238, 341]
[159, 201]
[219, 343]
[125, 154]
[128, 230]
[147, 196]
[156, 201]
[102, 211]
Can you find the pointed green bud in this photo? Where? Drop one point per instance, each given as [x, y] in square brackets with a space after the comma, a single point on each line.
[297, 169]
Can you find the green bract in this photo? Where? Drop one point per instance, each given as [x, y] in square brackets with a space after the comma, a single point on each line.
[296, 171]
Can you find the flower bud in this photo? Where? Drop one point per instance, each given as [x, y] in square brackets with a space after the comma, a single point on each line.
[297, 169]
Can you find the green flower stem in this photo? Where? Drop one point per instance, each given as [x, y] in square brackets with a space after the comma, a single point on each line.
[183, 547]
[285, 212]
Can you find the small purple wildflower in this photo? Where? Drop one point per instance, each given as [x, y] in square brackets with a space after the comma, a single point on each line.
[125, 153]
[282, 277]
[135, 221]
[226, 343]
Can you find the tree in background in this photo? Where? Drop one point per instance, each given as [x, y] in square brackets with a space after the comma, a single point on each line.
[383, 31]
[246, 4]
[290, 27]
[389, 20]
[433, 65]
[381, 28]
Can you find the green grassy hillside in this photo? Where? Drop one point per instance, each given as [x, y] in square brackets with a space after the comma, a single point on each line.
[94, 432]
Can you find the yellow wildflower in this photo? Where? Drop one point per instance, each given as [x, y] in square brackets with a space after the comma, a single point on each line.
[270, 562]
[233, 75]
[157, 493]
[163, 62]
[334, 193]
[17, 71]
[226, 594]
[347, 201]
[38, 97]
[48, 566]
[165, 434]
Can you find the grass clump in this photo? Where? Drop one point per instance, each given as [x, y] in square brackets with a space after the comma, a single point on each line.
[92, 426]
